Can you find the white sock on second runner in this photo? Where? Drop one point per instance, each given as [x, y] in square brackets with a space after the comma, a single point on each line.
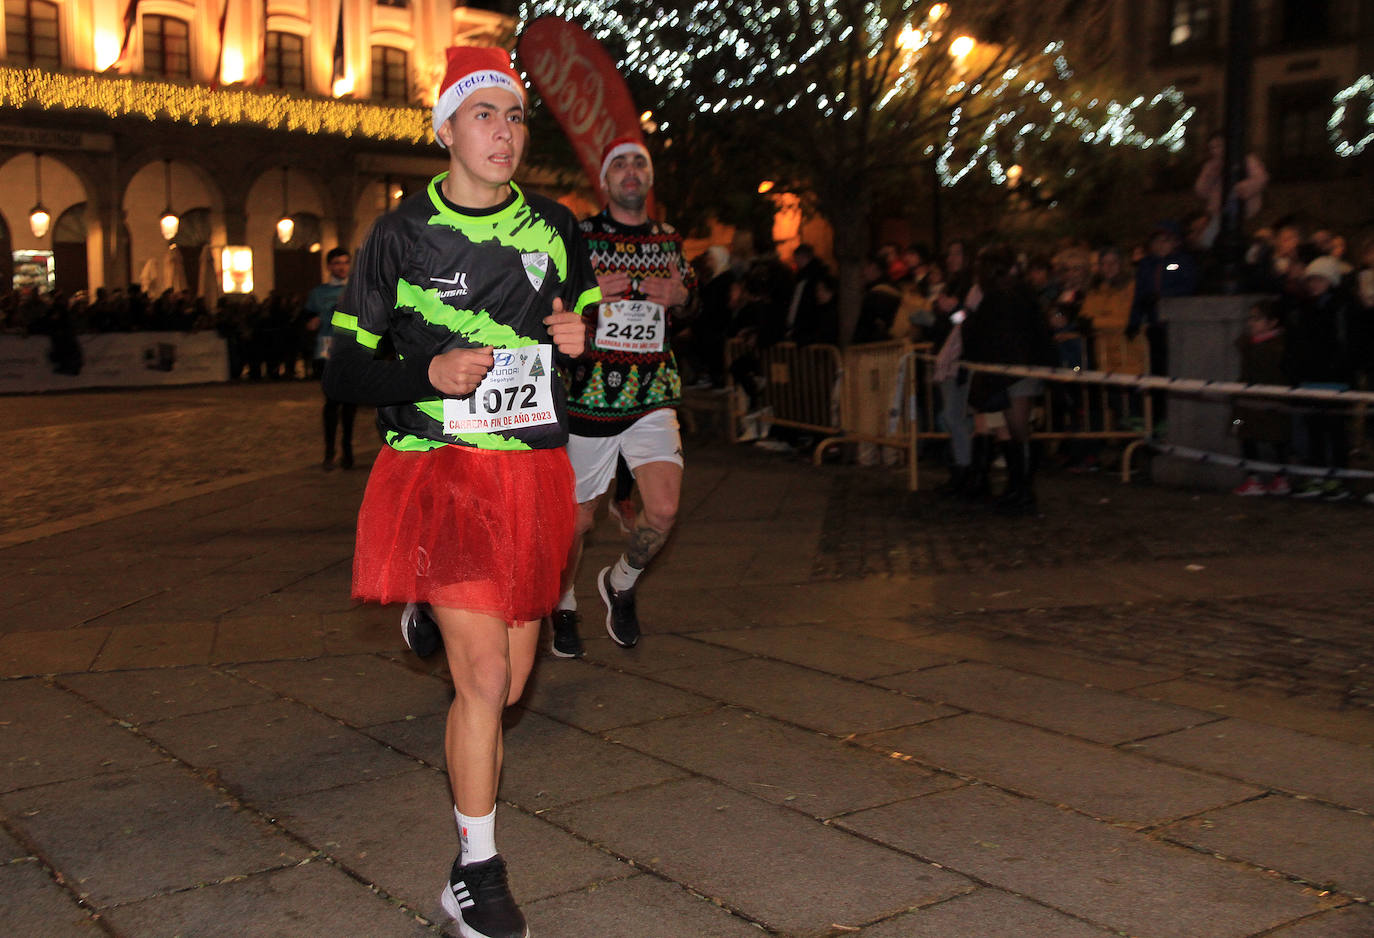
[477, 835]
[568, 600]
[622, 575]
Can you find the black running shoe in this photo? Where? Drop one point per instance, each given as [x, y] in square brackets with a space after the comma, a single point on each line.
[478, 898]
[621, 622]
[566, 642]
[419, 630]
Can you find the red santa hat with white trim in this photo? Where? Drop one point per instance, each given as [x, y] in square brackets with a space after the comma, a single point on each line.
[472, 68]
[620, 146]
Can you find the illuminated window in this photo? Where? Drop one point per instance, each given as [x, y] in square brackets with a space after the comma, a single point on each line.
[31, 33]
[284, 64]
[166, 47]
[390, 75]
[1192, 24]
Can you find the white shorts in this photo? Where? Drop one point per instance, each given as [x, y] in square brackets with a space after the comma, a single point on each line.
[652, 438]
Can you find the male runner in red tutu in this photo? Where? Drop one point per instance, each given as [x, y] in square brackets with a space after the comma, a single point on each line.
[469, 508]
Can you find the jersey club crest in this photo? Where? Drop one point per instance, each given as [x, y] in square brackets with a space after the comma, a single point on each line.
[536, 267]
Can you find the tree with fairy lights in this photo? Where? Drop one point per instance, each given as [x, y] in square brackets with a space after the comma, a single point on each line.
[846, 102]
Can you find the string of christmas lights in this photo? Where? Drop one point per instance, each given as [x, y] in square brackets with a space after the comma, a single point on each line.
[725, 56]
[198, 104]
[1346, 101]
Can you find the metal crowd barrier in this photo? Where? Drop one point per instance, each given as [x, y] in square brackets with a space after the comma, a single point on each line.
[883, 394]
[797, 386]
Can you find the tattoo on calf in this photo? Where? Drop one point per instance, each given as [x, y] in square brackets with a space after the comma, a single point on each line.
[645, 542]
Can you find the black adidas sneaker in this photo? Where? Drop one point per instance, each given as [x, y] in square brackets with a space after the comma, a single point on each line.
[478, 898]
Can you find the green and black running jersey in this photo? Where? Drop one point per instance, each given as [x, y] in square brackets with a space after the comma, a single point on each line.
[629, 368]
[433, 277]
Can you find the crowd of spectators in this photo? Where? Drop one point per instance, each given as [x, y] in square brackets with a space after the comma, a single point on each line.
[1100, 306]
[268, 339]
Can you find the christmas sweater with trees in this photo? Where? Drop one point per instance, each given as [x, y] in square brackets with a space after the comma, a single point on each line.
[611, 387]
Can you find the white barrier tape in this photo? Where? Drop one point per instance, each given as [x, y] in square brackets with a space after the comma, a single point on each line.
[1218, 459]
[1163, 382]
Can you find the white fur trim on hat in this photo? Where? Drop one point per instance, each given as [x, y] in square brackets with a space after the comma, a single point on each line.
[453, 95]
[620, 149]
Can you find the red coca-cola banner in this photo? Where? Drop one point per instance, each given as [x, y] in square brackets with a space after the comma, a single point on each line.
[579, 83]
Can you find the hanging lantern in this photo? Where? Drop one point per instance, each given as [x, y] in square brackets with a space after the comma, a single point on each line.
[39, 218]
[169, 223]
[286, 226]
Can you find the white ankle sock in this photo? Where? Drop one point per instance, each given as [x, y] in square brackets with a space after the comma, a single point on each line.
[477, 835]
[622, 575]
[569, 599]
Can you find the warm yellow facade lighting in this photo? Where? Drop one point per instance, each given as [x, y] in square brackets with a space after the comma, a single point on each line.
[236, 264]
[231, 72]
[198, 104]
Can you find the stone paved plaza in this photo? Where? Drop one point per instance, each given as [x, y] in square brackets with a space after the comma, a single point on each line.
[854, 712]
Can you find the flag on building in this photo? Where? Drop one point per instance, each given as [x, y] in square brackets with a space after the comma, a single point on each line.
[219, 57]
[130, 20]
[338, 75]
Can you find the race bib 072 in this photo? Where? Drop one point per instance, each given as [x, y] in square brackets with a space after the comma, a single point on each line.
[515, 394]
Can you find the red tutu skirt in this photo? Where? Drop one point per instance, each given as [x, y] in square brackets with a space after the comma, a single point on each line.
[466, 528]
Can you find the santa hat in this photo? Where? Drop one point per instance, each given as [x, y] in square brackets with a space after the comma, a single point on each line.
[471, 68]
[619, 147]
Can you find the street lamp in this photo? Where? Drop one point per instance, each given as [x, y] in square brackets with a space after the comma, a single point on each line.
[169, 221]
[39, 219]
[286, 226]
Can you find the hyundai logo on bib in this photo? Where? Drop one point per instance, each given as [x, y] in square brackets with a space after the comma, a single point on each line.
[503, 359]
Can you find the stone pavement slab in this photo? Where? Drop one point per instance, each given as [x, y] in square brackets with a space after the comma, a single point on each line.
[835, 602]
[818, 776]
[807, 698]
[358, 825]
[345, 687]
[1313, 717]
[1273, 757]
[1115, 786]
[312, 900]
[241, 638]
[663, 653]
[27, 654]
[132, 835]
[152, 695]
[634, 907]
[1062, 706]
[772, 873]
[35, 905]
[986, 913]
[1353, 921]
[595, 699]
[588, 765]
[421, 738]
[60, 737]
[1092, 871]
[243, 746]
[1019, 655]
[1328, 847]
[860, 657]
[163, 643]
